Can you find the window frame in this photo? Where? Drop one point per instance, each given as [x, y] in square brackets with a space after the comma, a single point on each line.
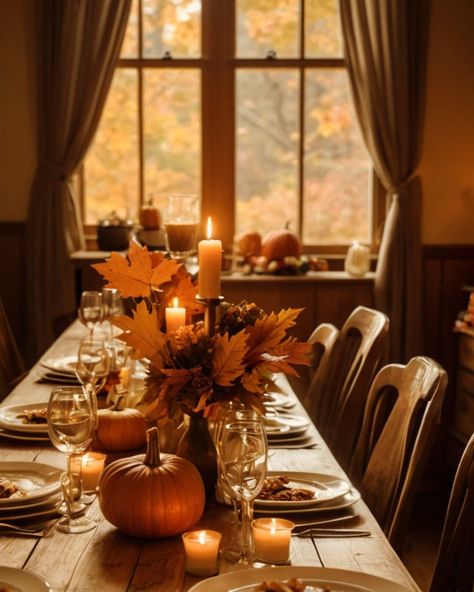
[218, 62]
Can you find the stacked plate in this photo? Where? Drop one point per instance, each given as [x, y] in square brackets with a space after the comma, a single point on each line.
[60, 370]
[330, 493]
[287, 431]
[14, 423]
[38, 495]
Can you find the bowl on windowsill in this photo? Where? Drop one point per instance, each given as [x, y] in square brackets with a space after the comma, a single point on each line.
[114, 233]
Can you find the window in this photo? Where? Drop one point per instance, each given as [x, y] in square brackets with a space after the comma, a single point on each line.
[245, 102]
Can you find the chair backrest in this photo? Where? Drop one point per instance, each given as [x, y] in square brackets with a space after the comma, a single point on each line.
[315, 376]
[355, 359]
[454, 568]
[11, 362]
[400, 421]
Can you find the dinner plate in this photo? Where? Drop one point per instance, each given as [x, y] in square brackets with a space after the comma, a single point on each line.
[338, 580]
[33, 506]
[18, 580]
[284, 425]
[279, 400]
[38, 481]
[51, 510]
[27, 437]
[63, 365]
[324, 492]
[58, 377]
[10, 418]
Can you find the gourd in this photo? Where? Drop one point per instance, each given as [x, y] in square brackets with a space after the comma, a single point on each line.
[248, 244]
[120, 429]
[281, 243]
[152, 495]
[150, 216]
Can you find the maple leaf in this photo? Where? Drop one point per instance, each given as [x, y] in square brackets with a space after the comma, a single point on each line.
[253, 381]
[227, 359]
[135, 275]
[289, 352]
[142, 333]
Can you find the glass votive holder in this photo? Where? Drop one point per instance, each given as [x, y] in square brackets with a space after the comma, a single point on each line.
[202, 550]
[92, 467]
[271, 538]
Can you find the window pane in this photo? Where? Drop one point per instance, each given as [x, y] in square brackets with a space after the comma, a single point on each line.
[111, 166]
[130, 42]
[322, 29]
[336, 184]
[267, 25]
[267, 149]
[172, 121]
[171, 25]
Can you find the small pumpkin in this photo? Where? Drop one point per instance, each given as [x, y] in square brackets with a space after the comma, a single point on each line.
[281, 243]
[152, 495]
[120, 429]
[150, 216]
[248, 244]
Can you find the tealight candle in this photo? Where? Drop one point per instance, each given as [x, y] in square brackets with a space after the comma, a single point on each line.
[210, 262]
[202, 549]
[92, 467]
[175, 316]
[271, 537]
[357, 261]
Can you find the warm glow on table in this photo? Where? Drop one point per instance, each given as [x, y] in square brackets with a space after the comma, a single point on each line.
[92, 467]
[210, 261]
[175, 316]
[202, 549]
[271, 537]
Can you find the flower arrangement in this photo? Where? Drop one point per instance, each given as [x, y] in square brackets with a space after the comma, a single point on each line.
[189, 370]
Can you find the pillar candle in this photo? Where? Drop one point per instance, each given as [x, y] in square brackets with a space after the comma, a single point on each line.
[202, 549]
[175, 316]
[210, 261]
[271, 537]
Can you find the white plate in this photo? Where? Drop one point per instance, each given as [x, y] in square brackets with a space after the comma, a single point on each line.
[24, 515]
[10, 420]
[339, 580]
[32, 506]
[31, 437]
[22, 581]
[63, 365]
[58, 377]
[37, 479]
[284, 425]
[324, 492]
[279, 400]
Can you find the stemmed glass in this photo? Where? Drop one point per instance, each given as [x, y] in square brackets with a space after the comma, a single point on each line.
[118, 355]
[91, 310]
[243, 458]
[92, 368]
[70, 426]
[112, 305]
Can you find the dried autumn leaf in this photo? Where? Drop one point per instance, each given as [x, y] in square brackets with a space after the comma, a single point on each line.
[143, 334]
[227, 357]
[135, 275]
[268, 332]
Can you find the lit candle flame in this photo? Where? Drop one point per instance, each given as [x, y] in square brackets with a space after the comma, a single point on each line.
[202, 537]
[209, 228]
[175, 302]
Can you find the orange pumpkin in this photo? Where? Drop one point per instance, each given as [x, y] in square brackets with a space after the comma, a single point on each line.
[120, 429]
[152, 496]
[150, 216]
[248, 244]
[279, 244]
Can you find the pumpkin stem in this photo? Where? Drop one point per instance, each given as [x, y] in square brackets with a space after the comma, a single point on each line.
[152, 456]
[287, 225]
[118, 404]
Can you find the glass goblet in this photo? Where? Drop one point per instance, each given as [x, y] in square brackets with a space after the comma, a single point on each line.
[92, 367]
[70, 425]
[113, 306]
[243, 458]
[91, 310]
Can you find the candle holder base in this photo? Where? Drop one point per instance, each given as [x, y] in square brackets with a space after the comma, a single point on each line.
[211, 305]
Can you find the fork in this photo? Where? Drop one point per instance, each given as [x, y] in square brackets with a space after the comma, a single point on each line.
[321, 533]
[41, 530]
[317, 523]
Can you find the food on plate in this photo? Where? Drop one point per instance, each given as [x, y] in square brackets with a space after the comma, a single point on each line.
[278, 489]
[9, 489]
[34, 416]
[292, 585]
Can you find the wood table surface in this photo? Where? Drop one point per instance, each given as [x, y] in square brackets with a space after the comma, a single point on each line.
[106, 560]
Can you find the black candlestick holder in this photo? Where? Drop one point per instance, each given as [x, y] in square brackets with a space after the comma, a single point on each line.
[211, 305]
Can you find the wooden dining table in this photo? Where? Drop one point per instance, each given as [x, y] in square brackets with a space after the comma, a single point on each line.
[104, 559]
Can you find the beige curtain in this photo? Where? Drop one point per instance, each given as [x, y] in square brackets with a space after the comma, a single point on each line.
[79, 44]
[385, 50]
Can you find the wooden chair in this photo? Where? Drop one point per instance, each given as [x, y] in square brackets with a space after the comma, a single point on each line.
[400, 421]
[11, 362]
[338, 406]
[454, 568]
[314, 377]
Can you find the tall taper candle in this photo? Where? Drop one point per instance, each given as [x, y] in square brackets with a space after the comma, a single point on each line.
[210, 260]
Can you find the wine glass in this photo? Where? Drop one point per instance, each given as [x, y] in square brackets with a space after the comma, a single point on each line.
[112, 305]
[181, 221]
[92, 367]
[91, 310]
[70, 425]
[243, 458]
[118, 352]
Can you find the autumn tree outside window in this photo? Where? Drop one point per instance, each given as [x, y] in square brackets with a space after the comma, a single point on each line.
[245, 102]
